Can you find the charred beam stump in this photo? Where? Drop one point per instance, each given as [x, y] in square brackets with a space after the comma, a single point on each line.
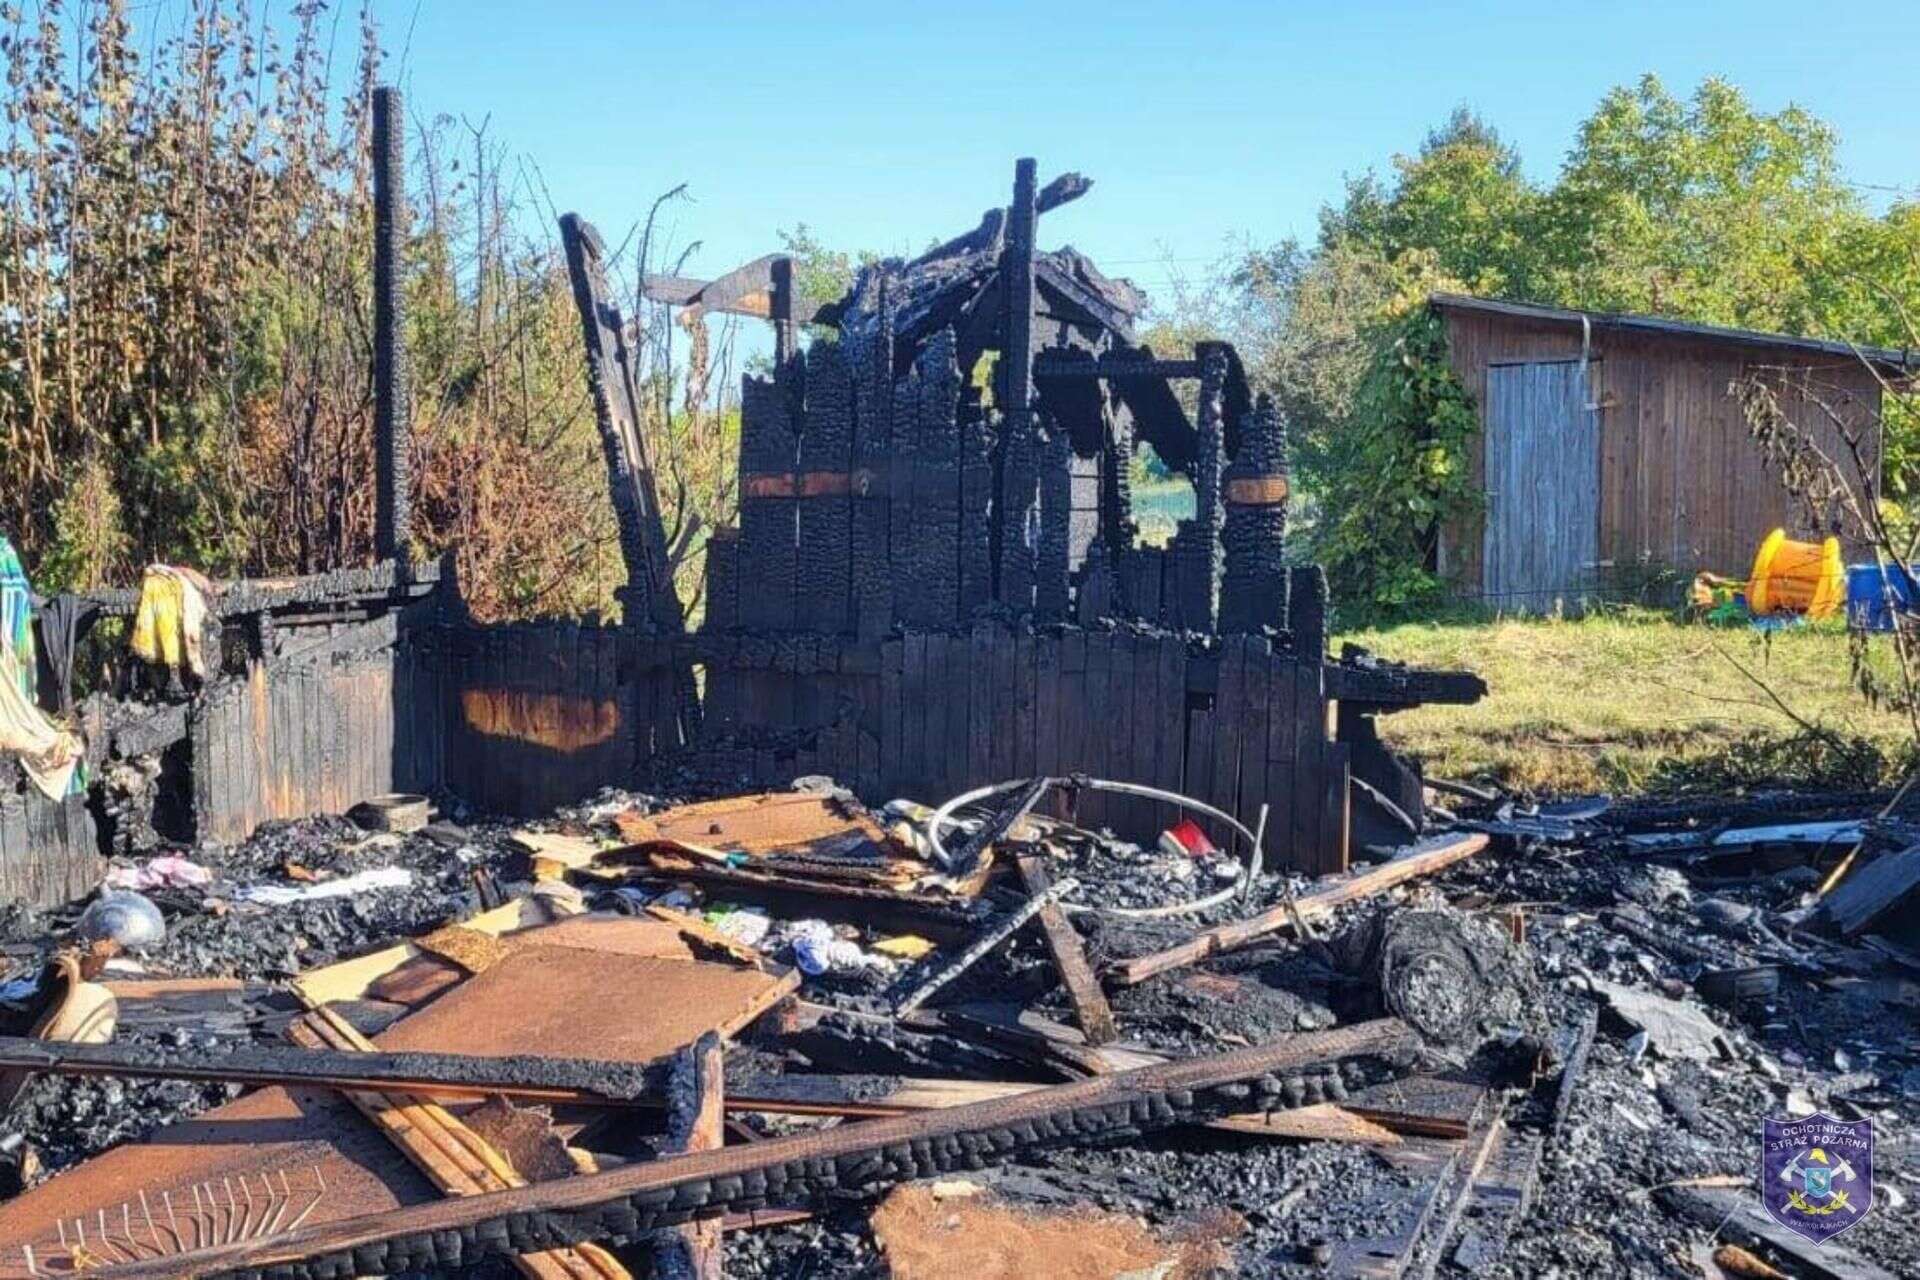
[1019, 446]
[1253, 592]
[1201, 572]
[860, 1159]
[391, 418]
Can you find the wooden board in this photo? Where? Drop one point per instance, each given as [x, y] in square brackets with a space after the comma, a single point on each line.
[1365, 884]
[1090, 1005]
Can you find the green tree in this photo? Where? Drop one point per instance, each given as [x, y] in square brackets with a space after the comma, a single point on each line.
[1461, 198]
[1706, 210]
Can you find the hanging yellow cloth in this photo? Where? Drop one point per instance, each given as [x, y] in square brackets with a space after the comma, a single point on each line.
[171, 617]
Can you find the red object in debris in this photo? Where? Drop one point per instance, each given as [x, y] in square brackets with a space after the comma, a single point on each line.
[1188, 838]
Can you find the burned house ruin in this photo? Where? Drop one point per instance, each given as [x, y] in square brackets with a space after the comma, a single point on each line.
[935, 582]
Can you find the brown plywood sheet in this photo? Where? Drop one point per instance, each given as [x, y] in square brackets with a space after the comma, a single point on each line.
[583, 1004]
[425, 976]
[780, 821]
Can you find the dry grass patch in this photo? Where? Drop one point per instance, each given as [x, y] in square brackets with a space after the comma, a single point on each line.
[1597, 704]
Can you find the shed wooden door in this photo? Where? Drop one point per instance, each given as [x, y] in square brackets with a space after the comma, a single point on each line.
[1543, 483]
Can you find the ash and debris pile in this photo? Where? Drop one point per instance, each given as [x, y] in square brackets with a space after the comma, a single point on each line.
[1601, 1005]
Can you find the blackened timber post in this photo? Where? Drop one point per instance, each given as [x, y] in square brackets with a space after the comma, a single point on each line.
[1209, 462]
[1254, 590]
[786, 337]
[1019, 462]
[648, 601]
[392, 505]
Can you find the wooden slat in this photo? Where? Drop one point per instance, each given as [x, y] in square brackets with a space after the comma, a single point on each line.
[1090, 1005]
[913, 703]
[1228, 710]
[1255, 686]
[1026, 698]
[1047, 700]
[1309, 756]
[459, 1161]
[1282, 744]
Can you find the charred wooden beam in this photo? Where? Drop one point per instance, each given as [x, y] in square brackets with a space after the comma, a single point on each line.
[1313, 906]
[648, 601]
[1090, 1005]
[602, 1083]
[697, 1122]
[1019, 462]
[626, 1203]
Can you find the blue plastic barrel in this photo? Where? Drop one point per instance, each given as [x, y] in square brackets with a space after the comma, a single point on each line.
[1869, 592]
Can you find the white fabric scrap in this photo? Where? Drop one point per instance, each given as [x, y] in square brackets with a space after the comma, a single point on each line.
[280, 895]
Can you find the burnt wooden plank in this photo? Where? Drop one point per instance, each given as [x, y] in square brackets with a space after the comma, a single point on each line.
[768, 555]
[1026, 697]
[1116, 730]
[1336, 809]
[610, 374]
[1310, 736]
[1103, 686]
[1074, 726]
[1317, 905]
[643, 1195]
[1281, 745]
[1046, 707]
[1090, 1006]
[942, 741]
[1019, 447]
[1170, 722]
[976, 512]
[1253, 728]
[1199, 759]
[1053, 558]
[909, 605]
[1005, 712]
[1140, 728]
[913, 703]
[980, 702]
[937, 489]
[1228, 709]
[872, 361]
[893, 777]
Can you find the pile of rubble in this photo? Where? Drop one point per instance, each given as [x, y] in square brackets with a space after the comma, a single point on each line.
[783, 1035]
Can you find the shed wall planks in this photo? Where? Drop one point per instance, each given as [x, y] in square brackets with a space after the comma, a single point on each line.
[1681, 486]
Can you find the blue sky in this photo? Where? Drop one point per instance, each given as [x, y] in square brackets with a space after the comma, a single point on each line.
[886, 125]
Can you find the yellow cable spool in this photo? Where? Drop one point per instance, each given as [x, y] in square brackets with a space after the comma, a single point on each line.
[1797, 577]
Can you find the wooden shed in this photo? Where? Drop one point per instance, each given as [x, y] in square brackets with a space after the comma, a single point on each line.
[1612, 450]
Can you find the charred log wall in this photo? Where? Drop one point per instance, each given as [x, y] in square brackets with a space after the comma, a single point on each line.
[1233, 721]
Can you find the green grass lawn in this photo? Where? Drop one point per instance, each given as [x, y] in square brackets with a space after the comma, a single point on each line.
[1599, 703]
